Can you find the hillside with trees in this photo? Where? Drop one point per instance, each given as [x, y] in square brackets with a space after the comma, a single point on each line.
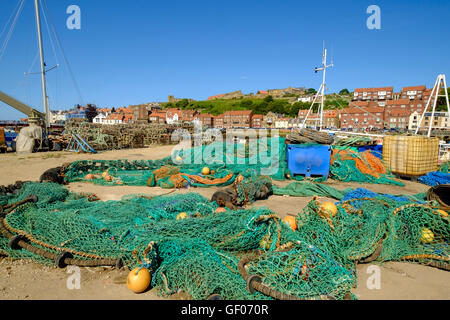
[258, 106]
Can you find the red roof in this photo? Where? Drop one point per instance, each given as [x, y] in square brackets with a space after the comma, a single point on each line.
[127, 118]
[238, 113]
[115, 116]
[217, 96]
[158, 114]
[416, 88]
[172, 111]
[258, 116]
[205, 115]
[125, 110]
[374, 89]
[330, 114]
[263, 92]
[397, 102]
[363, 110]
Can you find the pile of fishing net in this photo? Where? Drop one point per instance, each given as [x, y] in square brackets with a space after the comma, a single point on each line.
[435, 178]
[378, 229]
[309, 136]
[308, 189]
[352, 142]
[224, 160]
[190, 247]
[197, 253]
[348, 165]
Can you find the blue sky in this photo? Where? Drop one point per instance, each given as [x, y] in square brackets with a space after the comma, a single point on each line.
[131, 52]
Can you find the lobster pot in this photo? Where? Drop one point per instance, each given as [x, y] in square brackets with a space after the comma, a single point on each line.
[411, 156]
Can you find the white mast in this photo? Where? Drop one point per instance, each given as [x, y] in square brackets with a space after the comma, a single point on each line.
[41, 50]
[440, 81]
[321, 91]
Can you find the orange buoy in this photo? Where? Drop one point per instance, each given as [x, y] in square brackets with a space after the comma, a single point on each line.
[219, 210]
[108, 178]
[240, 178]
[290, 221]
[138, 282]
[104, 174]
[206, 171]
[213, 172]
[89, 176]
[328, 208]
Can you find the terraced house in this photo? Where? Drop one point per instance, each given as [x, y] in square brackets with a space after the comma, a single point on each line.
[373, 94]
[362, 119]
[237, 119]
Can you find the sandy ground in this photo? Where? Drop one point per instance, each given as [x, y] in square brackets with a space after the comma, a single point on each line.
[29, 280]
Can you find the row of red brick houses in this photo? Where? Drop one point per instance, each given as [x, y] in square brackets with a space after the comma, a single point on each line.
[360, 115]
[387, 93]
[370, 109]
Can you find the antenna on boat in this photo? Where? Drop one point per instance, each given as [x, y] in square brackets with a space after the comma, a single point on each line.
[440, 81]
[321, 92]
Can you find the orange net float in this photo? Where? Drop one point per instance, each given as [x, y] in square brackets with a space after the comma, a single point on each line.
[220, 210]
[327, 209]
[138, 280]
[291, 222]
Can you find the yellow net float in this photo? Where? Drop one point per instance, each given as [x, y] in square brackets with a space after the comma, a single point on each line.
[181, 216]
[427, 236]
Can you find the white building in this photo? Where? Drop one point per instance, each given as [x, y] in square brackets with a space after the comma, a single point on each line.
[306, 99]
[441, 120]
[114, 119]
[282, 123]
[100, 118]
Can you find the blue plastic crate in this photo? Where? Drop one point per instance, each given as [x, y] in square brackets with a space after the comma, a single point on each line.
[377, 150]
[309, 160]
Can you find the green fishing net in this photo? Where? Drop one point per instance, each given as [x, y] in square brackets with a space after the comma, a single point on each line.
[199, 252]
[400, 230]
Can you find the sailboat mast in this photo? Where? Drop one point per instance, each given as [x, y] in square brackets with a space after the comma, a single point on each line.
[43, 80]
[324, 63]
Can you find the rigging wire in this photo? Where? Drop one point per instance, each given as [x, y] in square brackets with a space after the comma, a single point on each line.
[9, 20]
[62, 52]
[11, 30]
[55, 55]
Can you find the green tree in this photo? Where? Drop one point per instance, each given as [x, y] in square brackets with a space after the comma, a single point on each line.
[442, 101]
[311, 91]
[344, 92]
[247, 103]
[268, 99]
[182, 104]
